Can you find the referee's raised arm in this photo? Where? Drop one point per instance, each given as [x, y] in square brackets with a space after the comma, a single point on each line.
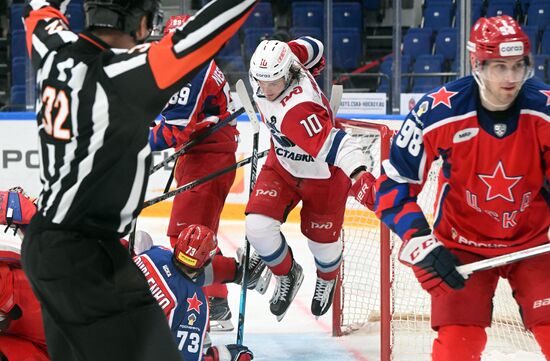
[167, 65]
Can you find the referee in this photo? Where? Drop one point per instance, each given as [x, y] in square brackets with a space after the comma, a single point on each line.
[98, 93]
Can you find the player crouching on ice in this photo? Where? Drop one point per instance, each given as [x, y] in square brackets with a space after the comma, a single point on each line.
[175, 279]
[309, 161]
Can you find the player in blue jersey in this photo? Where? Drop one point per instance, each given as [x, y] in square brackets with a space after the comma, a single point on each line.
[492, 132]
[176, 278]
[191, 111]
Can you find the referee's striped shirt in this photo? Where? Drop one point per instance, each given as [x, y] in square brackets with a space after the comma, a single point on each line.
[96, 104]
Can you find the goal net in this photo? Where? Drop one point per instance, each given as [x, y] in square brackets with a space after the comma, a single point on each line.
[378, 292]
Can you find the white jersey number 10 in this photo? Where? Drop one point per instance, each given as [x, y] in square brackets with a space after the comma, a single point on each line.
[312, 124]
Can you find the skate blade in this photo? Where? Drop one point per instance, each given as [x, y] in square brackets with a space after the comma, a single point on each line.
[280, 317]
[263, 282]
[298, 285]
[221, 326]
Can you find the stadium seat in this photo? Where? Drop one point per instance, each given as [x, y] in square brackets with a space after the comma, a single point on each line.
[371, 5]
[533, 34]
[539, 13]
[261, 17]
[18, 71]
[501, 7]
[307, 14]
[438, 16]
[545, 42]
[428, 3]
[313, 32]
[417, 41]
[477, 11]
[446, 43]
[427, 64]
[385, 68]
[253, 37]
[347, 48]
[232, 47]
[16, 14]
[524, 5]
[18, 46]
[231, 64]
[347, 15]
[75, 15]
[17, 95]
[541, 66]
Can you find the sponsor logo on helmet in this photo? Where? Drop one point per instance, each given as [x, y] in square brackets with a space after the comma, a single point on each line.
[514, 48]
[260, 75]
[185, 259]
[281, 56]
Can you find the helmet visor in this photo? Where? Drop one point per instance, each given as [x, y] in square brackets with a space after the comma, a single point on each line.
[505, 71]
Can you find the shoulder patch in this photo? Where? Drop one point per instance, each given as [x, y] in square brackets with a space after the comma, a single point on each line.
[442, 96]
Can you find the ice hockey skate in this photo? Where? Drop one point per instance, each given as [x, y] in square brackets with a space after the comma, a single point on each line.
[285, 290]
[220, 315]
[322, 298]
[258, 274]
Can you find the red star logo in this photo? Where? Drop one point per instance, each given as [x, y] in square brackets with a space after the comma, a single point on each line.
[499, 184]
[547, 93]
[442, 96]
[194, 303]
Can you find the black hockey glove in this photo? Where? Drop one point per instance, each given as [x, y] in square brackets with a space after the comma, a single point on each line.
[434, 265]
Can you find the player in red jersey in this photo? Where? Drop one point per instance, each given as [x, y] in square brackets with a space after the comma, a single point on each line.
[21, 331]
[492, 132]
[309, 161]
[192, 110]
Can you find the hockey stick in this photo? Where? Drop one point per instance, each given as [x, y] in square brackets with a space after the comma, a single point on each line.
[336, 98]
[467, 269]
[202, 180]
[196, 140]
[247, 105]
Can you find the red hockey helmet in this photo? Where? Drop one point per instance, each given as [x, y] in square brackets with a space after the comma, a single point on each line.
[175, 22]
[195, 246]
[497, 37]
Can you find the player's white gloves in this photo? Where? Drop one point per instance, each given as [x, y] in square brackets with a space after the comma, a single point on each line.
[142, 242]
[434, 265]
[231, 352]
[59, 4]
[363, 190]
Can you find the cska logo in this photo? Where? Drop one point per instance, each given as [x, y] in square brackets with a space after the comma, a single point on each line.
[263, 63]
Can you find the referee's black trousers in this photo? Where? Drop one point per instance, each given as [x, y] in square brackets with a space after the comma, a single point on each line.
[96, 303]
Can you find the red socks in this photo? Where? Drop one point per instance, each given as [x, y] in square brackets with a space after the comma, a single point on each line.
[459, 343]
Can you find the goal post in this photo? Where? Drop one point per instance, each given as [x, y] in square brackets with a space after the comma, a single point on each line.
[376, 293]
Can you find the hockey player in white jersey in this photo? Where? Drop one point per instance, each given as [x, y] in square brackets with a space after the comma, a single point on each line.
[309, 161]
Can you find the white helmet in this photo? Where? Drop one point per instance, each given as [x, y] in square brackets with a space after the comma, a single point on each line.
[271, 61]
